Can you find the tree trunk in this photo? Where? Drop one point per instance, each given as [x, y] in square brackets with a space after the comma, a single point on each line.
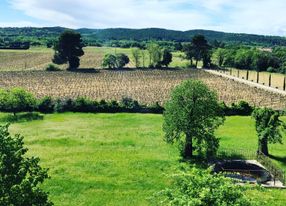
[263, 146]
[196, 63]
[188, 150]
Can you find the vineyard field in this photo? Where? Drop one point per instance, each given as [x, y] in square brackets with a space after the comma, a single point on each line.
[146, 86]
[38, 58]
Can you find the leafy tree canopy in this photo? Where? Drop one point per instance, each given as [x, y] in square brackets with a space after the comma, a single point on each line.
[69, 49]
[269, 128]
[17, 100]
[20, 175]
[191, 117]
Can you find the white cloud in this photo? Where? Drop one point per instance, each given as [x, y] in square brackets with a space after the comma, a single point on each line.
[251, 16]
[18, 24]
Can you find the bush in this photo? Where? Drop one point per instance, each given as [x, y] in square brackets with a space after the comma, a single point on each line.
[82, 104]
[46, 105]
[199, 187]
[130, 105]
[52, 68]
[241, 108]
[17, 100]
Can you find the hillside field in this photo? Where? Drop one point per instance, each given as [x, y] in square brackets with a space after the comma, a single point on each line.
[121, 159]
[38, 58]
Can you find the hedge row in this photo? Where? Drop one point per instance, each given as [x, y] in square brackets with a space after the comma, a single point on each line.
[81, 104]
[18, 100]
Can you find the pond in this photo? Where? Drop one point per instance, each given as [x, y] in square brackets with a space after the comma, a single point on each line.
[243, 170]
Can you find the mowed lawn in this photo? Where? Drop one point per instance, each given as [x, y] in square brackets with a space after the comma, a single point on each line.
[120, 159]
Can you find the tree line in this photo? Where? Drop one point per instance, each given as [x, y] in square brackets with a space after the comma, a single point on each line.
[69, 48]
[92, 37]
[251, 58]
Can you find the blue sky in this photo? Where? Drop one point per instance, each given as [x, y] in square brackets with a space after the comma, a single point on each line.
[245, 16]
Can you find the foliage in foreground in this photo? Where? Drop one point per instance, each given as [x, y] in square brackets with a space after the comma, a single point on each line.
[20, 176]
[200, 188]
[191, 117]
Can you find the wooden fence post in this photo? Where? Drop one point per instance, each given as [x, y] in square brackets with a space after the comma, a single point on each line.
[257, 77]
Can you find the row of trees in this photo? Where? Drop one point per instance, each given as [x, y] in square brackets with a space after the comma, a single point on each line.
[191, 117]
[158, 57]
[251, 58]
[69, 48]
[198, 50]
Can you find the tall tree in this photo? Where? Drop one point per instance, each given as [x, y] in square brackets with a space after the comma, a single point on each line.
[269, 128]
[109, 61]
[193, 111]
[189, 52]
[219, 56]
[21, 176]
[121, 60]
[68, 49]
[200, 47]
[155, 54]
[167, 57]
[136, 55]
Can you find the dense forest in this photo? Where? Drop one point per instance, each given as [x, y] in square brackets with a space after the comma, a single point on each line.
[96, 37]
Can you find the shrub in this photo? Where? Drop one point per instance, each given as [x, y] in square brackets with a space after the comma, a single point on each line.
[17, 100]
[46, 105]
[241, 108]
[199, 187]
[82, 104]
[129, 104]
[52, 68]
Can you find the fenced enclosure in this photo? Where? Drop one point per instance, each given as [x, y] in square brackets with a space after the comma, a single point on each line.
[274, 80]
[240, 154]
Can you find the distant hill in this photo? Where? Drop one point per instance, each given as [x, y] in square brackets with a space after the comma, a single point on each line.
[49, 33]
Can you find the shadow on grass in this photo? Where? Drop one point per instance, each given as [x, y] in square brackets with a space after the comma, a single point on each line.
[282, 160]
[196, 160]
[85, 70]
[22, 117]
[143, 69]
[231, 156]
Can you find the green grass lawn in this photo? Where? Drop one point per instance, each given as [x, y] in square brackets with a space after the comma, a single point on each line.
[120, 159]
